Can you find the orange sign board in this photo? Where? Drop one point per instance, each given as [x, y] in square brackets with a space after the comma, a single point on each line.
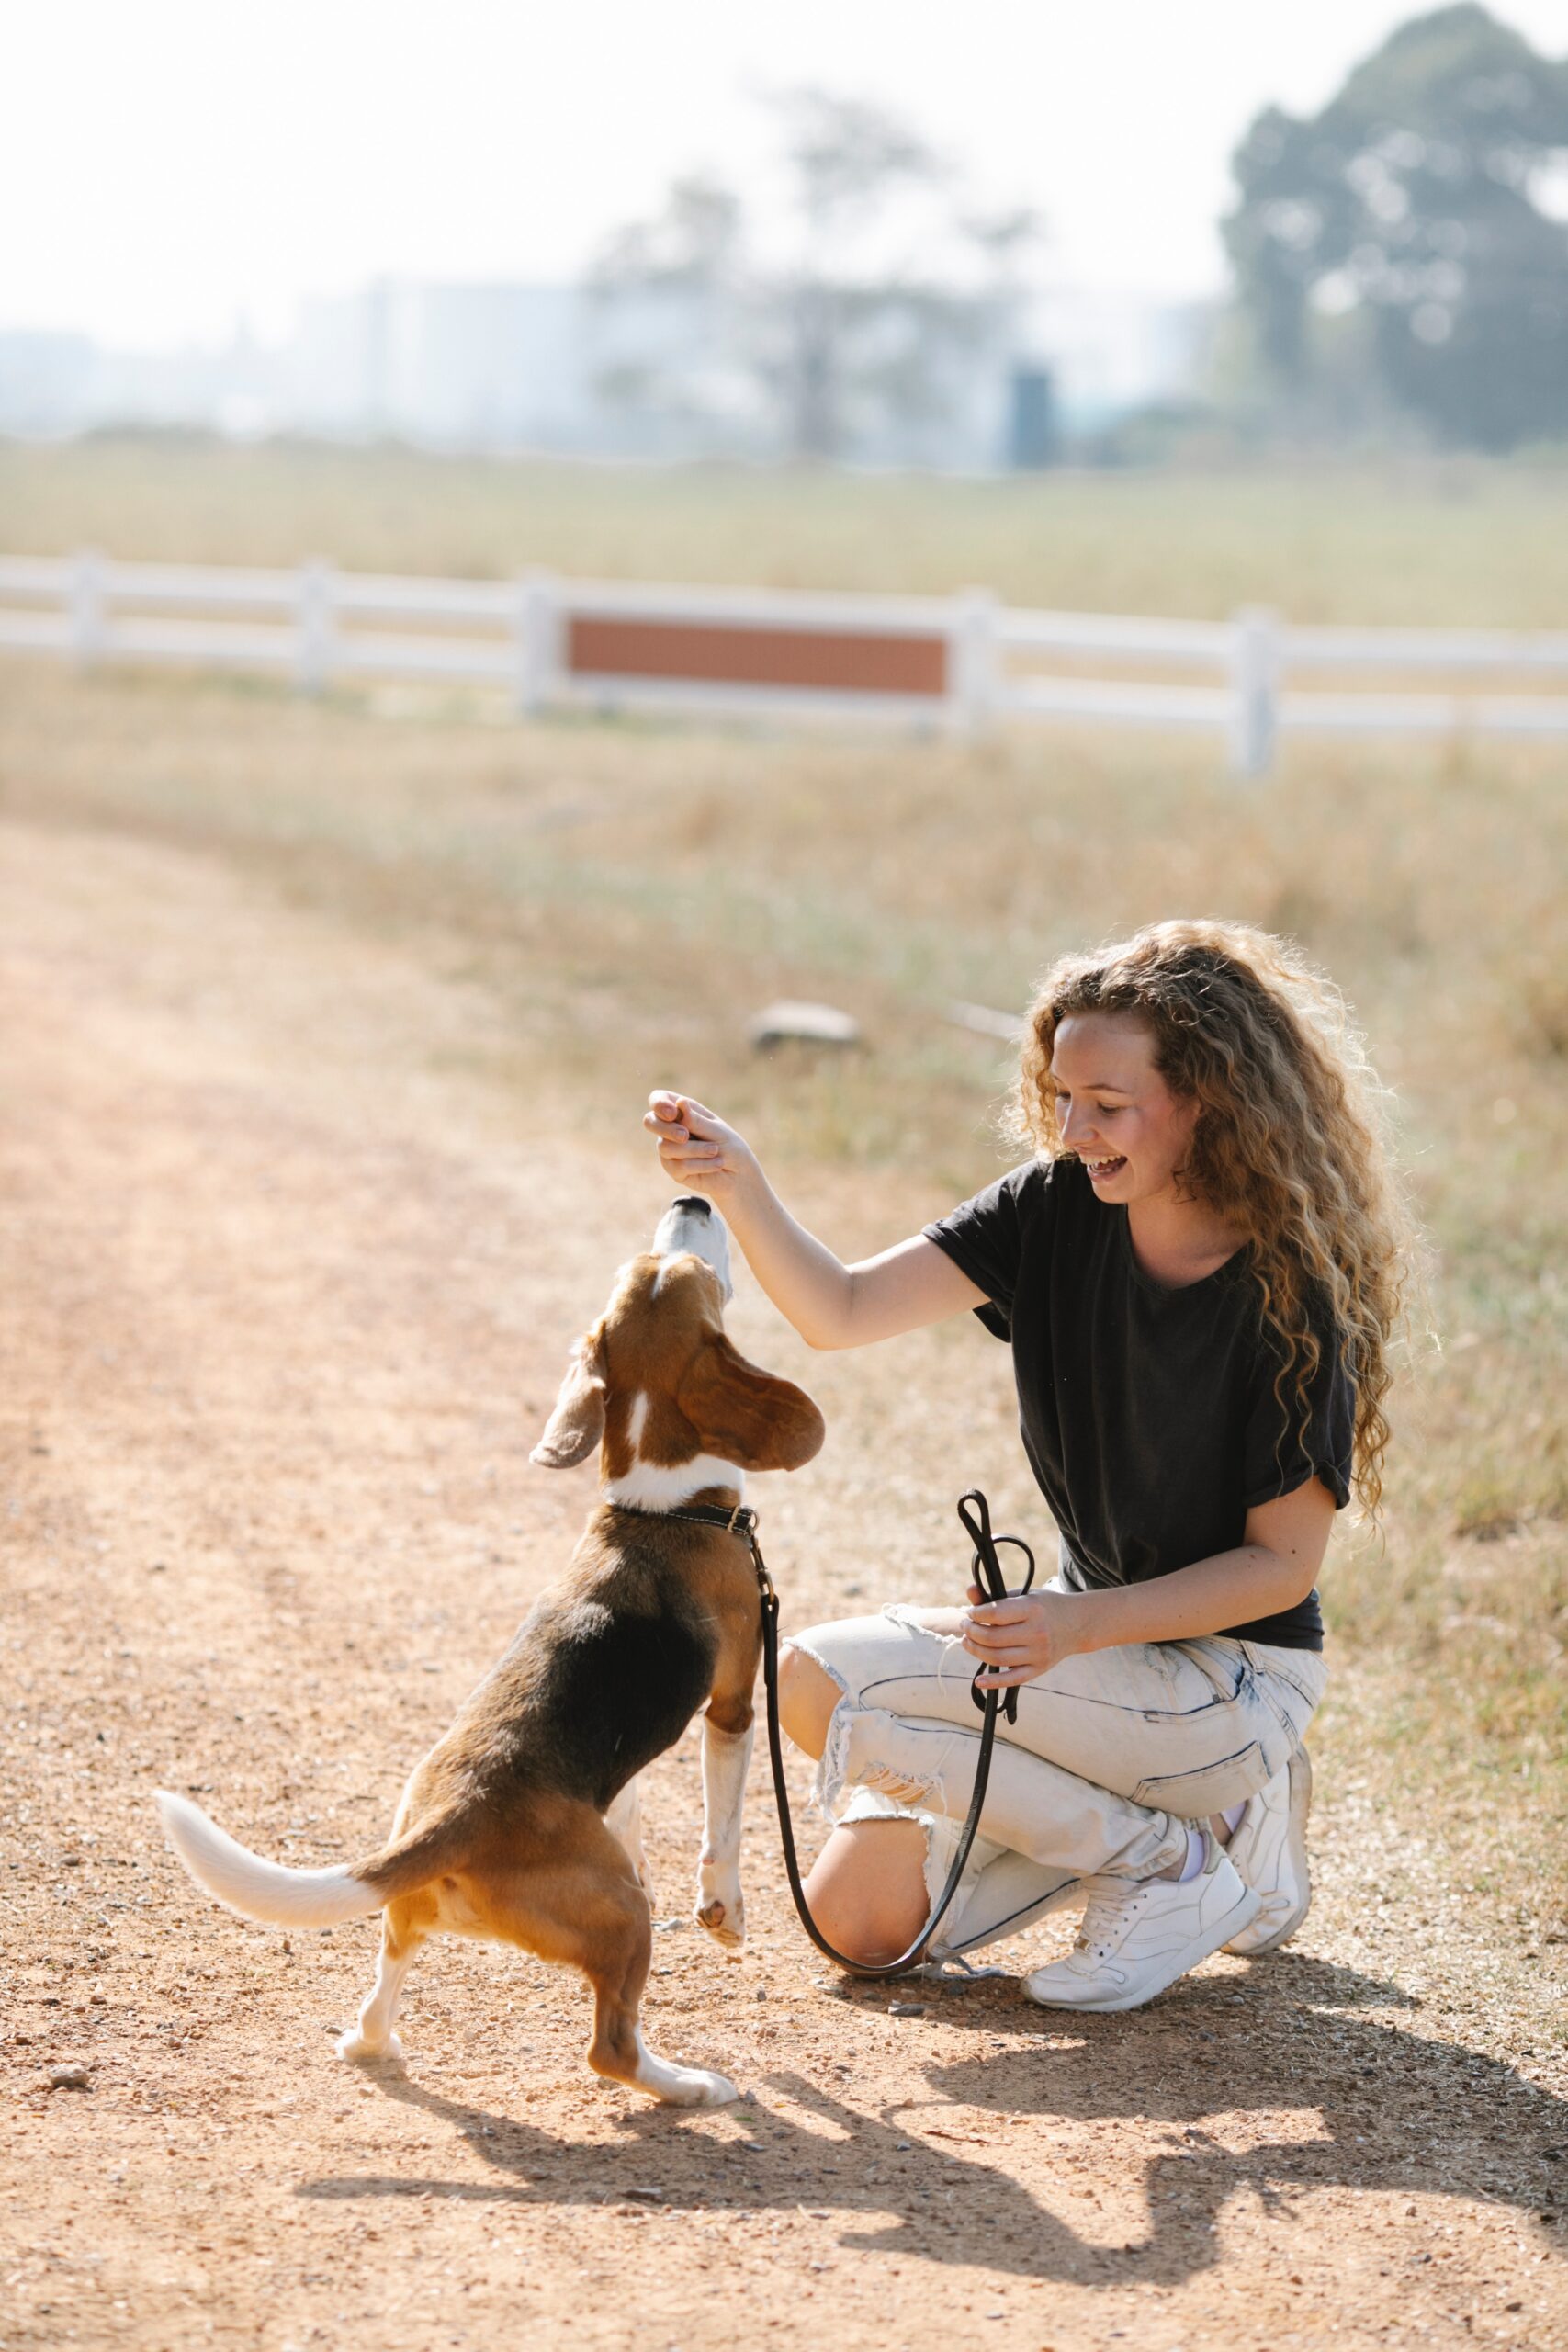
[858, 662]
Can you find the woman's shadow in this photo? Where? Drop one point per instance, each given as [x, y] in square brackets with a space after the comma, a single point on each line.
[1381, 2107]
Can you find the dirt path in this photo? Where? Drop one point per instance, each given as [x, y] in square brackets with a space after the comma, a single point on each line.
[288, 1280]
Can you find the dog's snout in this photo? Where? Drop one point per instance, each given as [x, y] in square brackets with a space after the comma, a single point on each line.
[692, 1226]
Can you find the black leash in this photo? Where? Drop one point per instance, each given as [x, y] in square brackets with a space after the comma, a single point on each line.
[975, 1515]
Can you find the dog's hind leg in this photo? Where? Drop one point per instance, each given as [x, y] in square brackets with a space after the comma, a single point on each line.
[617, 1968]
[624, 1822]
[372, 2039]
[588, 1910]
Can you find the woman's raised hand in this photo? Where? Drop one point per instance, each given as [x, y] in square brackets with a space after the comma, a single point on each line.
[696, 1150]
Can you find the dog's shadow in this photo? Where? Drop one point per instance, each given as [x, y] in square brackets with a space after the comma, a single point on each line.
[1286, 2036]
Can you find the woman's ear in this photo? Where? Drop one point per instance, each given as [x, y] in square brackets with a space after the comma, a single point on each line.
[746, 1415]
[577, 1424]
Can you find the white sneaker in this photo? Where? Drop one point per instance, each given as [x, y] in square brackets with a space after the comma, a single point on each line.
[1268, 1851]
[1140, 1934]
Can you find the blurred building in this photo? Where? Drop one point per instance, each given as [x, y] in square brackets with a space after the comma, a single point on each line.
[47, 382]
[580, 371]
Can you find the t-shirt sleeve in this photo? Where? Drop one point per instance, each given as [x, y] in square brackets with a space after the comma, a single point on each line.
[1284, 1449]
[984, 1237]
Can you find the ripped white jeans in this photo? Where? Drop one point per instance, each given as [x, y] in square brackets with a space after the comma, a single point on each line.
[1113, 1753]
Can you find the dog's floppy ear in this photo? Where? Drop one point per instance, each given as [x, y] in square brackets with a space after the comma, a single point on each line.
[749, 1417]
[577, 1424]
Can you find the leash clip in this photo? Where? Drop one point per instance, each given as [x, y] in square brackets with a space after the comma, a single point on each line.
[743, 1523]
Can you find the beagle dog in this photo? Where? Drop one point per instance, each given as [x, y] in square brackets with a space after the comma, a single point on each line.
[522, 1826]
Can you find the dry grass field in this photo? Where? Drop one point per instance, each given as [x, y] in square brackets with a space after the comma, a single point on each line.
[1455, 540]
[327, 1029]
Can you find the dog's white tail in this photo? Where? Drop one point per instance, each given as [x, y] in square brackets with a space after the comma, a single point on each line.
[259, 1888]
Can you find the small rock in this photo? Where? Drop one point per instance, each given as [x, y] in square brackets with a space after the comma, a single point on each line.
[906, 2008]
[68, 2079]
[645, 2196]
[761, 1994]
[792, 1021]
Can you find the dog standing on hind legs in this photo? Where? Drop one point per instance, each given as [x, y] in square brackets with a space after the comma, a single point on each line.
[522, 1824]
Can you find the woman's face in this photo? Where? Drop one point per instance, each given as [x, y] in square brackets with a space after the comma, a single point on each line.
[1115, 1111]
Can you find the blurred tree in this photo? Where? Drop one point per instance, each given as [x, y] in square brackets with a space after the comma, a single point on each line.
[1429, 203]
[857, 299]
[692, 244]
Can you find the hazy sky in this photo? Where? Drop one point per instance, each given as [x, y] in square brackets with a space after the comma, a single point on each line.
[168, 165]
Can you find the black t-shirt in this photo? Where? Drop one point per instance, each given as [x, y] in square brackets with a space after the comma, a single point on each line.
[1148, 1414]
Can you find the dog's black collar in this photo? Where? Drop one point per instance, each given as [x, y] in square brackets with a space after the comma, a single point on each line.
[741, 1521]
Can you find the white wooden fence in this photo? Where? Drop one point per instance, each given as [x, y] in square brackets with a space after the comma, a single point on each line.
[966, 662]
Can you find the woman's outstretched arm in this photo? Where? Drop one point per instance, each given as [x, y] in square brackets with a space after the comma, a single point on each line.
[829, 1303]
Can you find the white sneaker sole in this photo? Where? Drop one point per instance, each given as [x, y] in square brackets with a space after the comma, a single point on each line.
[1267, 1934]
[1174, 1966]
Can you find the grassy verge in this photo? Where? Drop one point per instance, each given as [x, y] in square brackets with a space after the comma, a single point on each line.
[1456, 540]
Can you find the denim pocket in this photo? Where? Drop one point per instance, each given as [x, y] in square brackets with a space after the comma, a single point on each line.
[1223, 1665]
[1231, 1779]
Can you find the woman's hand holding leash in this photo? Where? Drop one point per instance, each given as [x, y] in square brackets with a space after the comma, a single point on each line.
[1020, 1637]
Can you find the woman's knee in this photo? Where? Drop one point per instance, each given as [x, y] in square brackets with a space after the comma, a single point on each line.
[868, 1889]
[808, 1696]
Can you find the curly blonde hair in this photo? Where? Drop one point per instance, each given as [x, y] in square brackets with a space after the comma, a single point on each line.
[1288, 1146]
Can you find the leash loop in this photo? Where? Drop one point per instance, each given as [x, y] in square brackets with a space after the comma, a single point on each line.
[976, 1513]
[987, 1566]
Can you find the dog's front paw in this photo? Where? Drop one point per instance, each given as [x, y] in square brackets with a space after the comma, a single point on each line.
[353, 2046]
[698, 2087]
[722, 1912]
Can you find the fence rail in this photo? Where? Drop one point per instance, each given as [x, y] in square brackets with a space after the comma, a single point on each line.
[965, 663]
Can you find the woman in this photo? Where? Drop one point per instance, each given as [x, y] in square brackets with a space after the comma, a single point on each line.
[1198, 1272]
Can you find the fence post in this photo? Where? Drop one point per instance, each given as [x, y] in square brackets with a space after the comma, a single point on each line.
[1254, 687]
[87, 603]
[973, 664]
[316, 645]
[535, 638]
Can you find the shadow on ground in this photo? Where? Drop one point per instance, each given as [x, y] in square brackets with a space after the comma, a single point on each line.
[1391, 2112]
